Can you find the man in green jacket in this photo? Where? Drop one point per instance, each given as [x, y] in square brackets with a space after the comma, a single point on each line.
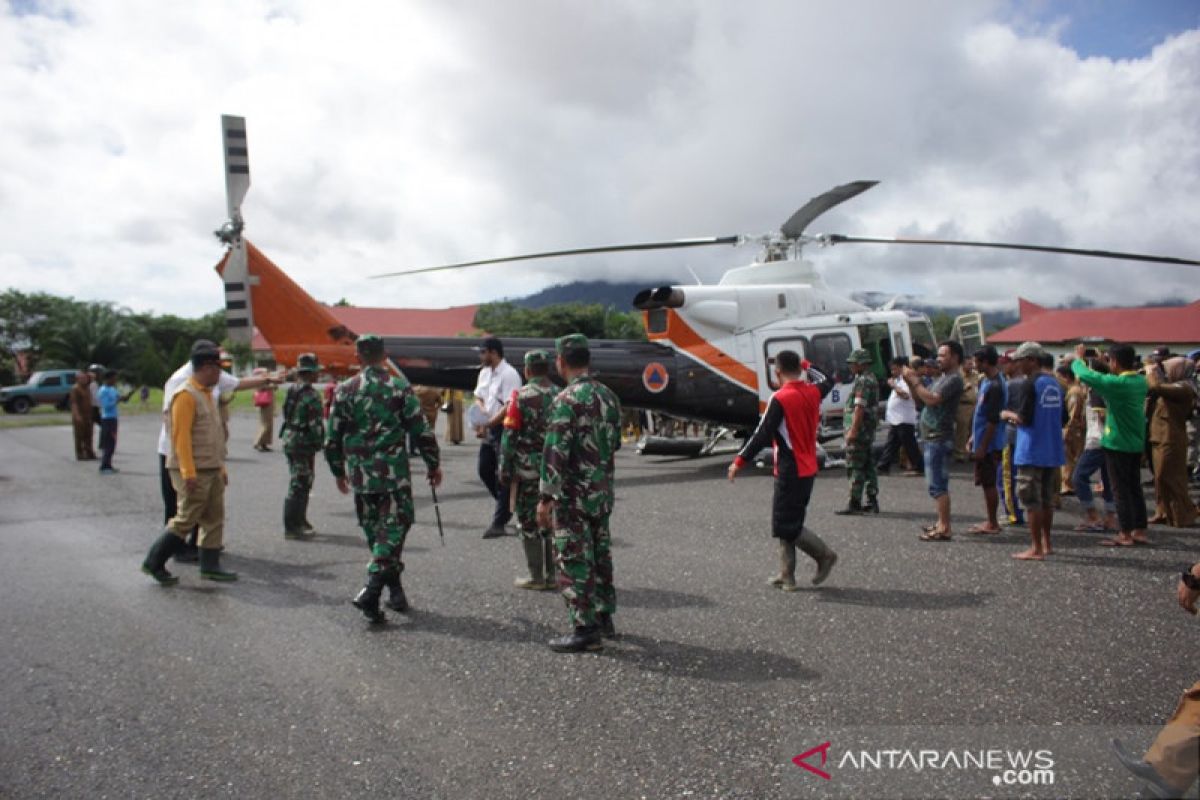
[1124, 437]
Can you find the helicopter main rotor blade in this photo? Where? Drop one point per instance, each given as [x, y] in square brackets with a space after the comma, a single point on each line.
[836, 238]
[617, 248]
[794, 227]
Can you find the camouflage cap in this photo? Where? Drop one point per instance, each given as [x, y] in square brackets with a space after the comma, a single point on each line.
[307, 362]
[859, 356]
[1029, 350]
[369, 345]
[572, 341]
[537, 357]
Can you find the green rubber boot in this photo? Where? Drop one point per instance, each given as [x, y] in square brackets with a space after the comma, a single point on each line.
[155, 565]
[210, 566]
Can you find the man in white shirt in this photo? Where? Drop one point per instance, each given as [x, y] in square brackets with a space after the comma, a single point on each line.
[901, 417]
[226, 384]
[497, 382]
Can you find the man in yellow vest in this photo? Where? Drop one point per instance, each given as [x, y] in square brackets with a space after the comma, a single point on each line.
[197, 468]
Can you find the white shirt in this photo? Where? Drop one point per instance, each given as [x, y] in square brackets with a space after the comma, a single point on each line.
[899, 410]
[227, 383]
[495, 385]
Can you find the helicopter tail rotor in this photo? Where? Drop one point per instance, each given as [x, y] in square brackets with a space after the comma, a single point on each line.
[236, 275]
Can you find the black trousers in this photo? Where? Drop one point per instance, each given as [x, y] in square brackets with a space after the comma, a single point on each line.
[488, 466]
[108, 442]
[902, 435]
[170, 499]
[1125, 472]
[789, 502]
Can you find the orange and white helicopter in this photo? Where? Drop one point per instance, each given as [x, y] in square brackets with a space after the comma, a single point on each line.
[711, 348]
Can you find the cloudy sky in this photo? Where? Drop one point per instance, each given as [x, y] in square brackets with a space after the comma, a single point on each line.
[393, 135]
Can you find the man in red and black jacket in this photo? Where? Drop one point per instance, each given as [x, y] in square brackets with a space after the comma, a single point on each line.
[790, 424]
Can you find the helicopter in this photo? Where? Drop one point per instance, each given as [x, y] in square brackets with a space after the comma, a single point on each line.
[710, 350]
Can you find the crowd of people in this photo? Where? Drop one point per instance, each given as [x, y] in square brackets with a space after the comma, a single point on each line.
[1038, 430]
[546, 454]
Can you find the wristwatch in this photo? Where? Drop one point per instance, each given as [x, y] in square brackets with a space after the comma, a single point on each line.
[1190, 580]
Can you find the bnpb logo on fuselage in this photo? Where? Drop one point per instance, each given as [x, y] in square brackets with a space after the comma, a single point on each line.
[655, 377]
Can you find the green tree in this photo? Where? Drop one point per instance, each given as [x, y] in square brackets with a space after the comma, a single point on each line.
[94, 333]
[243, 354]
[592, 320]
[942, 323]
[24, 321]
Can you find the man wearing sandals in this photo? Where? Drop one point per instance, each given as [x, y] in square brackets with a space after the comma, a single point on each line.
[1124, 392]
[987, 435]
[937, 431]
[1039, 453]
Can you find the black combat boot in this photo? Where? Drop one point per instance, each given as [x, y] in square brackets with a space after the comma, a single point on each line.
[536, 581]
[548, 560]
[853, 507]
[396, 599]
[210, 566]
[872, 506]
[305, 525]
[293, 518]
[367, 601]
[585, 638]
[607, 629]
[820, 552]
[155, 565]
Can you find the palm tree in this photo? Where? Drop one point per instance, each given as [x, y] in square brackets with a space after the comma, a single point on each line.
[93, 333]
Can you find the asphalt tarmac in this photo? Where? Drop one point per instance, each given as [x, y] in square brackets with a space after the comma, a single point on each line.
[275, 686]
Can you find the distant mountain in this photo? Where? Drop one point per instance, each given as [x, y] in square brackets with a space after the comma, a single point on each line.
[617, 295]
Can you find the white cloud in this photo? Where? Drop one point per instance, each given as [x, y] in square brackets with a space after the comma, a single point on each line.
[391, 135]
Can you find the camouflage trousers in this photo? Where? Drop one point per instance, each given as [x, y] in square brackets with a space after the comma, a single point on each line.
[385, 518]
[525, 509]
[860, 468]
[583, 554]
[301, 469]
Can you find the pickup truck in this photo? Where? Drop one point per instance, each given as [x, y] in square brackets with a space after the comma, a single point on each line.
[49, 386]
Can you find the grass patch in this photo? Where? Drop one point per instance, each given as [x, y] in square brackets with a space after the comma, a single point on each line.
[41, 415]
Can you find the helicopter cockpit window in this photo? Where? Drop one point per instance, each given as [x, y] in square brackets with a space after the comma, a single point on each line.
[922, 338]
[829, 352]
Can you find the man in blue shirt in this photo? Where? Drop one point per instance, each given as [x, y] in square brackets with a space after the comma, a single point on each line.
[109, 397]
[1039, 453]
[987, 435]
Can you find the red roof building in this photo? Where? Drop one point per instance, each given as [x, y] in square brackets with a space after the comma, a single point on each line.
[1144, 328]
[456, 321]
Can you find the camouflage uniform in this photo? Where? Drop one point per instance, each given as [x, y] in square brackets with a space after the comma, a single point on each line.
[521, 467]
[860, 464]
[583, 434]
[303, 434]
[370, 416]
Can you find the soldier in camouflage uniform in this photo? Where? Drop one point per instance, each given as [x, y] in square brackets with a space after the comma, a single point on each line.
[860, 421]
[303, 434]
[521, 466]
[583, 433]
[365, 446]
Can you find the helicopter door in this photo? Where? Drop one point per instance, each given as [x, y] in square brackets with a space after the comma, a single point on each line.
[876, 340]
[968, 331]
